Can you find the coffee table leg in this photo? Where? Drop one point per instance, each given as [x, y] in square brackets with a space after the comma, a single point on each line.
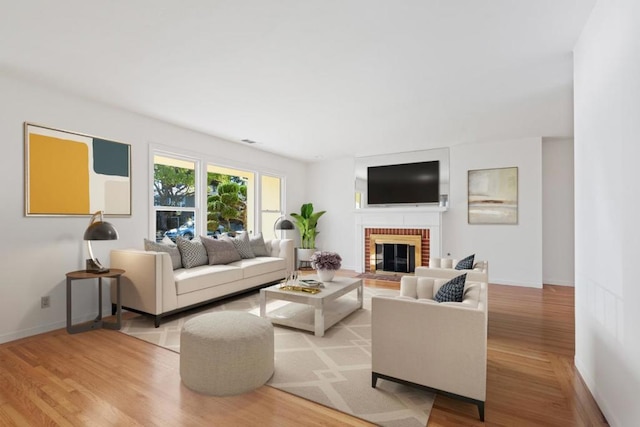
[263, 303]
[319, 321]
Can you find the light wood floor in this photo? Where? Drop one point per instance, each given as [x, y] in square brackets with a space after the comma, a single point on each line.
[104, 377]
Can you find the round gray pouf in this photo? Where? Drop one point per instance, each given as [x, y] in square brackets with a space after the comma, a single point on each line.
[226, 353]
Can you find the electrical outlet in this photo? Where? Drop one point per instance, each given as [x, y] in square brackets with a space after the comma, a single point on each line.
[45, 302]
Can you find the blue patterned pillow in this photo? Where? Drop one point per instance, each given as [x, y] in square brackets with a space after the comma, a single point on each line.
[466, 263]
[452, 291]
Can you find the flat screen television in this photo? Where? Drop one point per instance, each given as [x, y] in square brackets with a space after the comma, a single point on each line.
[407, 183]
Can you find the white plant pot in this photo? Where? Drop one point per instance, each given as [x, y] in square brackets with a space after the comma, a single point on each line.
[305, 254]
[326, 275]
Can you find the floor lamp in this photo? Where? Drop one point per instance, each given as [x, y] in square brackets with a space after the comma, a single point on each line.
[282, 224]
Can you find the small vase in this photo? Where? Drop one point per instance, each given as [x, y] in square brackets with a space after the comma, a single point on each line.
[326, 275]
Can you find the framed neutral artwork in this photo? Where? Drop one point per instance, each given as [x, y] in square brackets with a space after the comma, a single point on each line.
[493, 196]
[69, 173]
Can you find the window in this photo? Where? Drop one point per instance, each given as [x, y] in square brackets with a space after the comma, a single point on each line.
[230, 199]
[190, 200]
[271, 204]
[174, 197]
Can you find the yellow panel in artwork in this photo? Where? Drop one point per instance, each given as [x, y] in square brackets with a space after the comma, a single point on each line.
[58, 176]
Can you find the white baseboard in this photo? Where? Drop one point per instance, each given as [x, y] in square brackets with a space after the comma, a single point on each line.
[559, 282]
[41, 329]
[23, 333]
[612, 420]
[512, 283]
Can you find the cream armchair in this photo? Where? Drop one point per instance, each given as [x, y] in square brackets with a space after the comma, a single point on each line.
[444, 268]
[438, 346]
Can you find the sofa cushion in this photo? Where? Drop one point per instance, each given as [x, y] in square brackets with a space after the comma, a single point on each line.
[220, 251]
[241, 243]
[466, 263]
[258, 246]
[452, 291]
[171, 249]
[192, 252]
[206, 276]
[260, 265]
[417, 287]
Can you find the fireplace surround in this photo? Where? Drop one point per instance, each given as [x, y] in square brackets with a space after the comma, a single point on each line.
[398, 221]
[416, 241]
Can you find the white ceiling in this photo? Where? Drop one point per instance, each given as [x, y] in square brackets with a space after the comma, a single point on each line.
[312, 79]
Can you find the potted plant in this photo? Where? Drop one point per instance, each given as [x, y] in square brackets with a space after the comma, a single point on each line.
[306, 222]
[326, 264]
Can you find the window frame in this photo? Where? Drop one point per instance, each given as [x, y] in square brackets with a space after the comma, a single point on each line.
[201, 163]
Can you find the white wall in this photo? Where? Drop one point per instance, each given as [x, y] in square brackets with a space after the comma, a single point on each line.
[607, 208]
[38, 251]
[331, 188]
[514, 252]
[557, 212]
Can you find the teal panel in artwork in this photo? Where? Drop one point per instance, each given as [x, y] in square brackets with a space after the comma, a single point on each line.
[110, 158]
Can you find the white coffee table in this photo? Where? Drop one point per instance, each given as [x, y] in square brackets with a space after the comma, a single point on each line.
[313, 312]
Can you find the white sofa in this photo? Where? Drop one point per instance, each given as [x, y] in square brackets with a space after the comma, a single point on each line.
[441, 347]
[445, 268]
[150, 285]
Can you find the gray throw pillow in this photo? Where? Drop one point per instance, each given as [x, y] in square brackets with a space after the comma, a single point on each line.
[220, 251]
[258, 246]
[171, 249]
[452, 291]
[241, 243]
[192, 251]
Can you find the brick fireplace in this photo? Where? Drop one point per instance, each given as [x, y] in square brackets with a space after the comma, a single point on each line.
[416, 239]
[424, 221]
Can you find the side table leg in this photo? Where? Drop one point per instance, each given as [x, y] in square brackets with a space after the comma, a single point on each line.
[99, 318]
[68, 305]
[119, 302]
[117, 325]
[360, 296]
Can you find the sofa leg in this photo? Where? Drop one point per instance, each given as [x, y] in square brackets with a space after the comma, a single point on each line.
[156, 321]
[114, 309]
[374, 379]
[481, 410]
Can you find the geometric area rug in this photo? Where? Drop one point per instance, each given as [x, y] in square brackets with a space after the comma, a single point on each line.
[333, 370]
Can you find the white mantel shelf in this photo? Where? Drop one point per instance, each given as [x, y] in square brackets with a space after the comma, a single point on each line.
[396, 209]
[429, 217]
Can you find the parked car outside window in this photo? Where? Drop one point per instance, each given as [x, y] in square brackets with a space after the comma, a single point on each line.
[187, 230]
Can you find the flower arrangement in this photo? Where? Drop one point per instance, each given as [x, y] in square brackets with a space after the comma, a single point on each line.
[323, 260]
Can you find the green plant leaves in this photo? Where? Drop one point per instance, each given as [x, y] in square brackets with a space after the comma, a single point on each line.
[306, 221]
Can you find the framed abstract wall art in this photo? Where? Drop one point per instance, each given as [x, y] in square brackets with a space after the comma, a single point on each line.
[493, 196]
[70, 173]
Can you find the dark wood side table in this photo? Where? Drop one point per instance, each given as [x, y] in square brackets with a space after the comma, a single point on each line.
[113, 273]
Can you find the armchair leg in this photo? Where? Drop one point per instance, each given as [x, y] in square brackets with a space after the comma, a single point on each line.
[481, 410]
[479, 403]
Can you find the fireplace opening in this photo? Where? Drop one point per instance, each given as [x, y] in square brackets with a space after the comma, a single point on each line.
[395, 257]
[393, 252]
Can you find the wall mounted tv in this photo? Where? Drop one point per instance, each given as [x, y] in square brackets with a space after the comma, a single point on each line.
[407, 183]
